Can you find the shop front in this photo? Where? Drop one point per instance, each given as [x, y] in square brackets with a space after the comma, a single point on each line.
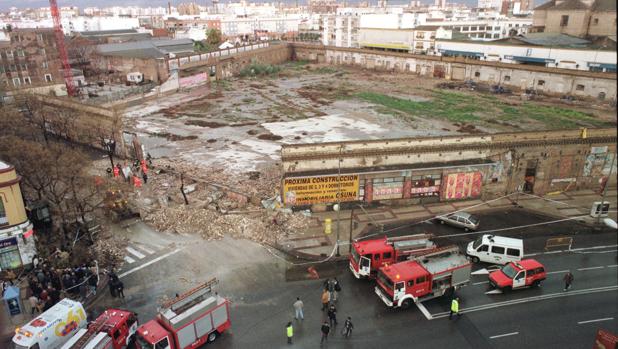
[17, 246]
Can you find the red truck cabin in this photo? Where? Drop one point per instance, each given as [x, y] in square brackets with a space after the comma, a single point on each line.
[186, 329]
[403, 278]
[527, 272]
[369, 255]
[121, 326]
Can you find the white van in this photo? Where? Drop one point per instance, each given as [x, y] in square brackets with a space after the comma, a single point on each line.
[495, 249]
[53, 328]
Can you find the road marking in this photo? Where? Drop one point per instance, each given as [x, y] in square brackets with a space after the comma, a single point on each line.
[530, 299]
[144, 248]
[135, 252]
[129, 259]
[480, 283]
[590, 268]
[595, 320]
[557, 272]
[149, 263]
[424, 310]
[571, 250]
[613, 266]
[590, 252]
[504, 335]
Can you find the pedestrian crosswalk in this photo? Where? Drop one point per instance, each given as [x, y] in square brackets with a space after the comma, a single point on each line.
[138, 251]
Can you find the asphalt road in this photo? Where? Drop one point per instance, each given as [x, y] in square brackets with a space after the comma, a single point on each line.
[254, 279]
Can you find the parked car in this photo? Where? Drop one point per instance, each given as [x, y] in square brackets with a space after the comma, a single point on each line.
[463, 220]
[525, 273]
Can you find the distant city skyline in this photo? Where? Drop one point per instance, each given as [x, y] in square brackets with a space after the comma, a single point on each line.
[6, 4]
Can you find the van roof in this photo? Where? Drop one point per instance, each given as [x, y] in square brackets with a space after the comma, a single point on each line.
[504, 241]
[28, 334]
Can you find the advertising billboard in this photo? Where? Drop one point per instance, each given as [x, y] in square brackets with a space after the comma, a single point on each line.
[319, 190]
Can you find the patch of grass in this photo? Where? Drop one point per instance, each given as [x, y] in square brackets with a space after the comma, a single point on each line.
[475, 109]
[248, 100]
[256, 69]
[326, 70]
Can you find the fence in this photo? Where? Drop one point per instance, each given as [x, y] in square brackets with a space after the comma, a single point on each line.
[175, 63]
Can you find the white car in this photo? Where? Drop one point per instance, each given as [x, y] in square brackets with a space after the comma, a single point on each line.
[461, 220]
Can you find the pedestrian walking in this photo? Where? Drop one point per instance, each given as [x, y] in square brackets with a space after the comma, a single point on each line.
[325, 330]
[347, 328]
[113, 288]
[336, 289]
[145, 177]
[34, 304]
[454, 308]
[290, 332]
[120, 288]
[298, 309]
[568, 279]
[325, 299]
[326, 282]
[332, 315]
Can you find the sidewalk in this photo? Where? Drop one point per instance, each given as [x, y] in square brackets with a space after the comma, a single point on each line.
[313, 244]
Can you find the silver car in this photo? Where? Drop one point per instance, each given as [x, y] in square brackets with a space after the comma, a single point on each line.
[461, 220]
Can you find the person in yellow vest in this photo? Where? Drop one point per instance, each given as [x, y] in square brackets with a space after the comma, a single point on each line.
[454, 308]
[290, 332]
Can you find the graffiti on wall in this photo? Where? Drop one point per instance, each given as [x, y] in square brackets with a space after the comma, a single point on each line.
[462, 185]
[194, 80]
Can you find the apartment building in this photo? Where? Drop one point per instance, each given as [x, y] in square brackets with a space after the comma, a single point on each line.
[581, 18]
[340, 30]
[30, 59]
[17, 245]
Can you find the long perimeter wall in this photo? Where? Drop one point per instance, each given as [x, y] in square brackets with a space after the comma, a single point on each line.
[552, 81]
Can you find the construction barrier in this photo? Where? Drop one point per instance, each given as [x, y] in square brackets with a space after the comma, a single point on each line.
[559, 242]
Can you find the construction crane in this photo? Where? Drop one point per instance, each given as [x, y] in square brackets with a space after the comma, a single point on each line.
[64, 57]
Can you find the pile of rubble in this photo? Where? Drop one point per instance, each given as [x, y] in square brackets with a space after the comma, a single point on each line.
[108, 251]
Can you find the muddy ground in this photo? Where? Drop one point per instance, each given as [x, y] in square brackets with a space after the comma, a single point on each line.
[238, 125]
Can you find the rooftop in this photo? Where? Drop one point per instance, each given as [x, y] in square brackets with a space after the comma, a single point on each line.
[598, 5]
[147, 48]
[552, 39]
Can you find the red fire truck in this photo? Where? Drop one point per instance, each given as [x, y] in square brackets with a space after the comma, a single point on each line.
[370, 255]
[525, 273]
[114, 329]
[430, 275]
[187, 321]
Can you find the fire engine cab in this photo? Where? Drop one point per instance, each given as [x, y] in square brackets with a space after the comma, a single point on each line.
[525, 273]
[370, 255]
[430, 275]
[114, 329]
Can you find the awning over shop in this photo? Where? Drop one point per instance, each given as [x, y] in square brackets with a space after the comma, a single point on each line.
[530, 59]
[461, 53]
[607, 66]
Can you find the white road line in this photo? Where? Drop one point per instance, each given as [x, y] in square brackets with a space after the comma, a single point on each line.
[129, 259]
[595, 320]
[612, 266]
[135, 252]
[590, 268]
[504, 335]
[144, 248]
[149, 263]
[424, 310]
[530, 299]
[590, 252]
[480, 283]
[557, 272]
[571, 250]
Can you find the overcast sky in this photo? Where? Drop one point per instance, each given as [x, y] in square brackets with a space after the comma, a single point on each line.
[6, 4]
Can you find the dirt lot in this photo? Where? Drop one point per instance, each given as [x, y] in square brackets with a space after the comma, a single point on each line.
[238, 125]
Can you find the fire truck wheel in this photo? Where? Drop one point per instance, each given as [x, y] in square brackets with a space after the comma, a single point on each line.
[536, 283]
[406, 304]
[212, 337]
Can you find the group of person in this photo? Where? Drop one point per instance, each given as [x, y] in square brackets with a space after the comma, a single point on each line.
[330, 292]
[116, 287]
[46, 284]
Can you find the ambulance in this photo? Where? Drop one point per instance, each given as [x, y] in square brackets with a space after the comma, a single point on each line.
[53, 328]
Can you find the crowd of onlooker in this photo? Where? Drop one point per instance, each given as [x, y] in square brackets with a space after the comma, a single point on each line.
[48, 285]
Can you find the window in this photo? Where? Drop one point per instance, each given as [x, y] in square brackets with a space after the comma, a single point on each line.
[44, 65]
[42, 52]
[116, 334]
[579, 87]
[48, 78]
[420, 280]
[162, 344]
[541, 82]
[497, 249]
[483, 248]
[520, 275]
[595, 21]
[387, 255]
[512, 252]
[477, 74]
[399, 286]
[16, 82]
[507, 78]
[410, 283]
[27, 80]
[564, 21]
[376, 256]
[9, 54]
[20, 53]
[3, 218]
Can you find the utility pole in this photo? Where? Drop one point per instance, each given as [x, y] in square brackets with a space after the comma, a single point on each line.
[609, 176]
[339, 197]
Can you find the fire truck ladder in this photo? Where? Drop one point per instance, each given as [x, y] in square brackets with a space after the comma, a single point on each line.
[190, 297]
[96, 326]
[409, 237]
[438, 252]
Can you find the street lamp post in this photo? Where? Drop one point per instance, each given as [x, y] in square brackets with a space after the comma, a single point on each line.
[338, 208]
